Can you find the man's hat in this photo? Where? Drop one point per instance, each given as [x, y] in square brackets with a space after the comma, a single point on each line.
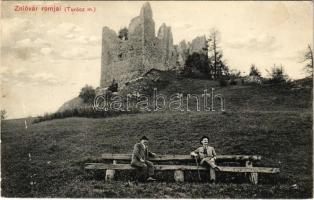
[144, 138]
[203, 138]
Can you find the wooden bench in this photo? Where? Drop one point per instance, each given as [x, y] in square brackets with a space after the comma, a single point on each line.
[246, 167]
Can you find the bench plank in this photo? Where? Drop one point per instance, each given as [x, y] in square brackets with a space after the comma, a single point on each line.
[179, 157]
[91, 166]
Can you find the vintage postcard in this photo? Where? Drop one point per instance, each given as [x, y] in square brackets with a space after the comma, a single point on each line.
[157, 99]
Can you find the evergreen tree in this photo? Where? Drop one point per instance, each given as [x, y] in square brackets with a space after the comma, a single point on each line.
[217, 65]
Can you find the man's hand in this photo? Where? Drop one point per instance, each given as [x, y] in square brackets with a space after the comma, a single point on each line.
[193, 154]
[142, 160]
[153, 154]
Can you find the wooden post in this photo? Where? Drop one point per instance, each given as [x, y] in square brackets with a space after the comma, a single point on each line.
[253, 176]
[179, 176]
[110, 173]
[212, 174]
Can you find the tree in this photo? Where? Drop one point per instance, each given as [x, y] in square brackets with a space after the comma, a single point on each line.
[254, 71]
[277, 75]
[197, 61]
[308, 58]
[88, 94]
[3, 114]
[216, 63]
[123, 33]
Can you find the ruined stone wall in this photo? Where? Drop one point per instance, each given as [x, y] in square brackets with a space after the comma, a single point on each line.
[120, 58]
[124, 60]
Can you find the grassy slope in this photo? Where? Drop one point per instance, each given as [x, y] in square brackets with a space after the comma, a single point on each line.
[276, 124]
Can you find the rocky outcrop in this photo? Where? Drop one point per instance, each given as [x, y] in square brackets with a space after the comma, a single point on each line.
[143, 26]
[166, 43]
[199, 45]
[182, 51]
[148, 23]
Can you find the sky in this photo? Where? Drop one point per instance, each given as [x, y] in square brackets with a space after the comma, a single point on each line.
[47, 57]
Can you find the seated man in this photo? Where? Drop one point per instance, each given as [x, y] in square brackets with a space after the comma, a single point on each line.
[207, 154]
[140, 156]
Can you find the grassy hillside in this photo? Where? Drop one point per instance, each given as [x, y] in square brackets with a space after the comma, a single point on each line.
[76, 102]
[46, 159]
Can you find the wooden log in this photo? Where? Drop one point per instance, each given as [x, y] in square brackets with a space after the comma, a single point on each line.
[110, 173]
[253, 176]
[107, 156]
[91, 166]
[179, 176]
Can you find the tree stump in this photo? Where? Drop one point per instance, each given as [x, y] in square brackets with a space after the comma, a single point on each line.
[253, 176]
[110, 173]
[179, 176]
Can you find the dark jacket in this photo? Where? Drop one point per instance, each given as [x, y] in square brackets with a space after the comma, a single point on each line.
[139, 152]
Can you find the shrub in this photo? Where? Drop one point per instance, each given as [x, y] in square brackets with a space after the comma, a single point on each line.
[88, 112]
[88, 94]
[233, 75]
[223, 82]
[123, 33]
[3, 114]
[254, 71]
[233, 82]
[277, 75]
[113, 87]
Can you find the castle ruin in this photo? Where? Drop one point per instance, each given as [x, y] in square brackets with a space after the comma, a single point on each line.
[124, 59]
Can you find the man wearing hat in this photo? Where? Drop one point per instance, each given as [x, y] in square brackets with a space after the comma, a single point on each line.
[140, 158]
[206, 153]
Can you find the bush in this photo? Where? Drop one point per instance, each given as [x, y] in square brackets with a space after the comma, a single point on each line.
[88, 94]
[88, 112]
[123, 33]
[277, 76]
[223, 82]
[233, 75]
[3, 114]
[113, 87]
[254, 71]
[233, 82]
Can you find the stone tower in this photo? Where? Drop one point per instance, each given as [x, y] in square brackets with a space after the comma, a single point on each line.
[124, 60]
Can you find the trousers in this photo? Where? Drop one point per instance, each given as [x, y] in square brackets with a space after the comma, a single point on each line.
[211, 162]
[146, 168]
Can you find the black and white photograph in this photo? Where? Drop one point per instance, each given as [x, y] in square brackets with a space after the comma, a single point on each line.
[157, 99]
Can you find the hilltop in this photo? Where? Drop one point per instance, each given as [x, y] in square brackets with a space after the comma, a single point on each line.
[296, 95]
[271, 121]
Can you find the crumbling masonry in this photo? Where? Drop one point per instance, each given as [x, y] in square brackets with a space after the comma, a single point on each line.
[124, 60]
